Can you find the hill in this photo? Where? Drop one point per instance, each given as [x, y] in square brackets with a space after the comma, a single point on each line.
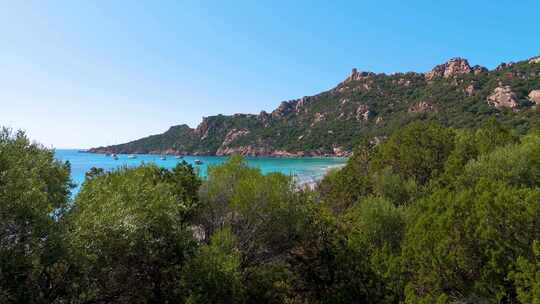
[365, 105]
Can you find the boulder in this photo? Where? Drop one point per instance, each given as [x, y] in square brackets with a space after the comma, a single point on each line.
[422, 107]
[233, 135]
[470, 90]
[477, 69]
[534, 60]
[358, 75]
[318, 117]
[363, 112]
[503, 97]
[534, 96]
[455, 66]
[503, 66]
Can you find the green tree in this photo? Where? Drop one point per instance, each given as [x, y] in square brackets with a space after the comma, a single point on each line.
[34, 194]
[368, 268]
[527, 276]
[462, 245]
[214, 275]
[342, 188]
[264, 212]
[418, 151]
[129, 233]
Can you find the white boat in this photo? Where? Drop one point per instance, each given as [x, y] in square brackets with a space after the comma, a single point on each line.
[163, 157]
[114, 156]
[179, 157]
[132, 156]
[198, 162]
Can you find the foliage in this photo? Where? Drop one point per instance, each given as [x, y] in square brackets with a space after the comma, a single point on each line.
[429, 214]
[527, 276]
[129, 232]
[214, 274]
[34, 194]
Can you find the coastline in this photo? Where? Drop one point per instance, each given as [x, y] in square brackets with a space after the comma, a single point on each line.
[306, 170]
[274, 154]
[313, 180]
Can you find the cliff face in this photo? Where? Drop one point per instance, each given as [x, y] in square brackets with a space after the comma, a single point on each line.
[365, 105]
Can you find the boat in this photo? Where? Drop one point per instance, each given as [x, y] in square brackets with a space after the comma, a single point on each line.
[179, 157]
[163, 157]
[114, 156]
[132, 156]
[198, 162]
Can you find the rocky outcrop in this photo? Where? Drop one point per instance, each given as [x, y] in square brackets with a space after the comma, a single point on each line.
[422, 107]
[358, 75]
[477, 69]
[288, 107]
[503, 97]
[363, 113]
[340, 152]
[202, 128]
[470, 90]
[318, 117]
[455, 66]
[534, 60]
[331, 122]
[534, 96]
[233, 135]
[404, 82]
[284, 109]
[504, 65]
[264, 118]
[249, 150]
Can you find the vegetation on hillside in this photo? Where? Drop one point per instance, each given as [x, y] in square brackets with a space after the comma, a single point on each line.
[360, 108]
[430, 215]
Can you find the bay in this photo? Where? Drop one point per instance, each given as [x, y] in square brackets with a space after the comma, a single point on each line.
[303, 169]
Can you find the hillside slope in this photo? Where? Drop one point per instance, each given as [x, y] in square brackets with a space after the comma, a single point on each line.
[365, 105]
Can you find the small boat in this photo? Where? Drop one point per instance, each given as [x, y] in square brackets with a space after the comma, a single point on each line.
[163, 157]
[179, 157]
[198, 162]
[114, 156]
[132, 156]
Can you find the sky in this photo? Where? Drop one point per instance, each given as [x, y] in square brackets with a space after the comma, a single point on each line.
[80, 74]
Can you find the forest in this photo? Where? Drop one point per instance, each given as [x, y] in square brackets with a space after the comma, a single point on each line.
[432, 214]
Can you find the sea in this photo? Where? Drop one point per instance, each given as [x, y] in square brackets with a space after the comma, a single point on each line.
[304, 170]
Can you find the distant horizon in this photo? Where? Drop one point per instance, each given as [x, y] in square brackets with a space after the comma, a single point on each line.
[78, 75]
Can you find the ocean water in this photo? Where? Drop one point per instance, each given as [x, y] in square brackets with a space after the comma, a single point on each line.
[303, 169]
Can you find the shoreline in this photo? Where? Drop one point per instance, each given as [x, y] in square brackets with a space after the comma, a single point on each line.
[292, 156]
[313, 180]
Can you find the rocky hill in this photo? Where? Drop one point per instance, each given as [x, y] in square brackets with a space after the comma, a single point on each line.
[365, 105]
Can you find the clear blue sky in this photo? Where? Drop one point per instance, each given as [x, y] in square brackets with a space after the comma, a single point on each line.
[77, 74]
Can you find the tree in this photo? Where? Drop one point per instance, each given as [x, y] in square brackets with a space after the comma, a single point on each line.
[463, 244]
[265, 214]
[368, 268]
[418, 151]
[262, 211]
[527, 276]
[214, 275]
[129, 233]
[340, 189]
[34, 194]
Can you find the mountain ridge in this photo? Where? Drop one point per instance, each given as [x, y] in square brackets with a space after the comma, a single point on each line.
[366, 105]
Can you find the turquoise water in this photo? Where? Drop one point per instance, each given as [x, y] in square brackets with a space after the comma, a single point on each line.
[303, 169]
